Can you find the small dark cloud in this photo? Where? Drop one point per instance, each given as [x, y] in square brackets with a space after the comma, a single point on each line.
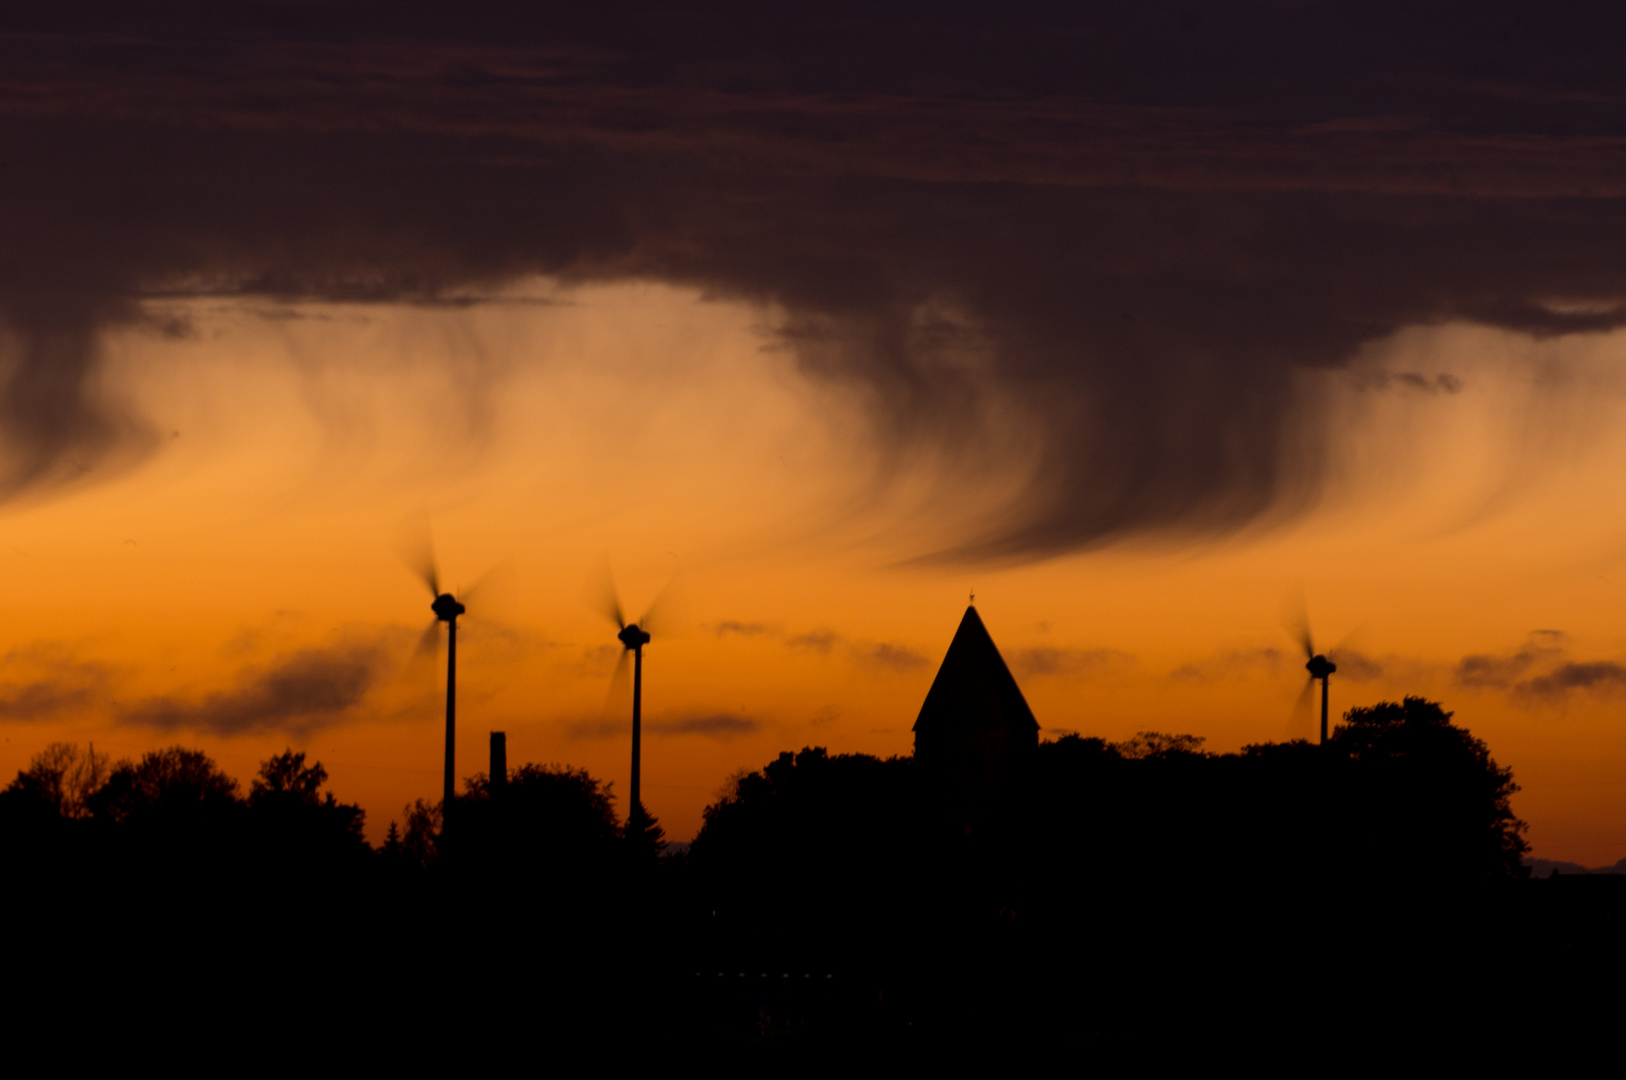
[596, 729]
[743, 629]
[888, 655]
[1441, 383]
[825, 715]
[1448, 384]
[45, 681]
[1229, 664]
[597, 661]
[1488, 671]
[1540, 671]
[300, 693]
[43, 699]
[1358, 667]
[721, 726]
[1044, 660]
[1598, 677]
[819, 641]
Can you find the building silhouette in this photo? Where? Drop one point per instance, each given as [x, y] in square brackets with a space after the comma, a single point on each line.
[975, 738]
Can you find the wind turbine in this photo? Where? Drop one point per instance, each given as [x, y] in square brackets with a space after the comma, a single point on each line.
[633, 637]
[1317, 664]
[446, 608]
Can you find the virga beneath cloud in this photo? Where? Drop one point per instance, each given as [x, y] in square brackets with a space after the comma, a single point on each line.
[1132, 231]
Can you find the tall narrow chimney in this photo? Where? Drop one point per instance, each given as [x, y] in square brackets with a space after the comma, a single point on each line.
[499, 762]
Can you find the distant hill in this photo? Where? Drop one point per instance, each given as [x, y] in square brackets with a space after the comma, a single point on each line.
[1540, 868]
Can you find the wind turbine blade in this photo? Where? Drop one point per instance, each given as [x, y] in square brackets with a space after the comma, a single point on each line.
[618, 702]
[603, 598]
[416, 547]
[1296, 619]
[1301, 722]
[420, 664]
[428, 642]
[489, 586]
[1347, 643]
[666, 611]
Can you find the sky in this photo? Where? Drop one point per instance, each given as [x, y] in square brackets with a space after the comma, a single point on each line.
[1145, 323]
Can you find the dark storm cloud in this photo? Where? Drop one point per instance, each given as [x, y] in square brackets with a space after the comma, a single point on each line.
[1135, 225]
[303, 692]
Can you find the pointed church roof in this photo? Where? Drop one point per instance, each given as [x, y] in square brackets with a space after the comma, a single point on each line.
[974, 689]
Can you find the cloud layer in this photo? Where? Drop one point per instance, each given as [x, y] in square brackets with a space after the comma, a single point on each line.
[302, 692]
[1542, 671]
[1133, 226]
[46, 681]
[823, 641]
[722, 727]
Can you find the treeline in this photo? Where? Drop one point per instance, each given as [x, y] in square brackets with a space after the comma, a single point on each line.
[831, 843]
[175, 814]
[850, 848]
[825, 892]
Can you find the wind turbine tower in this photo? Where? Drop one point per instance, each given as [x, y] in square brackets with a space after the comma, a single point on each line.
[447, 609]
[1317, 664]
[1320, 667]
[634, 639]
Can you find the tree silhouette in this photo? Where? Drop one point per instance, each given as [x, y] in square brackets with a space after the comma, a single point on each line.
[42, 810]
[173, 821]
[816, 846]
[545, 816]
[65, 777]
[1433, 797]
[420, 846]
[644, 836]
[298, 828]
[286, 777]
[166, 786]
[1156, 744]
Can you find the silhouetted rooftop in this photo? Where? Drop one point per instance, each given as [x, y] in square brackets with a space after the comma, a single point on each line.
[974, 689]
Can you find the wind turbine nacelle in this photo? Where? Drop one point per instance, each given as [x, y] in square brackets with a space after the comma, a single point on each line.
[1320, 667]
[446, 607]
[632, 637]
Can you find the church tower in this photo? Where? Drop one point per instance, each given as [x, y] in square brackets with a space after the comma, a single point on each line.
[975, 738]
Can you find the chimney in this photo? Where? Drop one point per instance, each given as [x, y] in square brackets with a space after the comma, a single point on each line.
[499, 762]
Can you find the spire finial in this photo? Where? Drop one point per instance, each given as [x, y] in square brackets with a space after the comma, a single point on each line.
[973, 597]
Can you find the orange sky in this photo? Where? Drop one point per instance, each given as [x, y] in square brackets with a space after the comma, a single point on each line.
[672, 435]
